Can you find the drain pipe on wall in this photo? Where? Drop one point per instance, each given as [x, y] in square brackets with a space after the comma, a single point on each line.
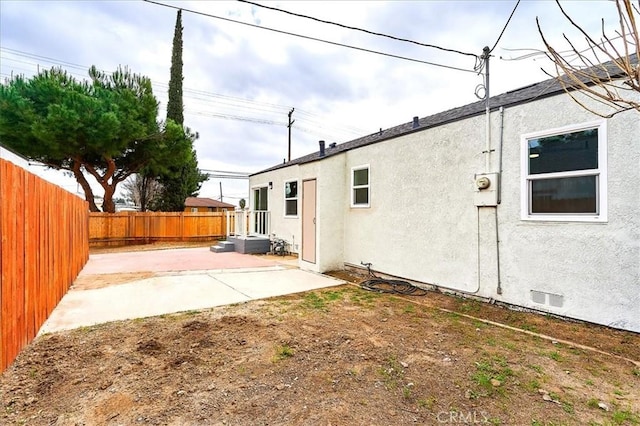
[478, 250]
[501, 139]
[486, 54]
[487, 151]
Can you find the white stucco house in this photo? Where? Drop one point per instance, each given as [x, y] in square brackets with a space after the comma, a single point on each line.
[543, 214]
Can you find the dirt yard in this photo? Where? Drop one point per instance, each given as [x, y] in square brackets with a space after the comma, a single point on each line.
[341, 356]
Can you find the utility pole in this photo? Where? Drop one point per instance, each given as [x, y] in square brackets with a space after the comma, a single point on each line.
[289, 126]
[221, 200]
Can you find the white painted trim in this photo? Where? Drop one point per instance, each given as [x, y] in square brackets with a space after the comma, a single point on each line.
[260, 185]
[368, 186]
[601, 173]
[285, 199]
[252, 194]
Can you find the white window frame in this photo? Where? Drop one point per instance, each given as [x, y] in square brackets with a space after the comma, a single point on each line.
[354, 187]
[194, 210]
[600, 172]
[252, 196]
[284, 186]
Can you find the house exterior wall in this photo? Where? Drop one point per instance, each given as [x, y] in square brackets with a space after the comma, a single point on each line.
[5, 154]
[595, 267]
[331, 204]
[287, 228]
[330, 209]
[438, 236]
[422, 223]
[200, 209]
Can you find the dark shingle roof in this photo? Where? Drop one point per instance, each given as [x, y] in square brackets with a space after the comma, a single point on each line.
[519, 96]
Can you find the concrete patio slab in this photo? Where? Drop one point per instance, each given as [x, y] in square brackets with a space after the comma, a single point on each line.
[260, 285]
[187, 259]
[215, 279]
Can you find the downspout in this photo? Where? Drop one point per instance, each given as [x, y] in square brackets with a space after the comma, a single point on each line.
[500, 141]
[501, 138]
[486, 53]
[487, 151]
[478, 248]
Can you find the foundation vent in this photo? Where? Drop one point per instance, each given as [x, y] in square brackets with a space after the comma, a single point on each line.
[544, 298]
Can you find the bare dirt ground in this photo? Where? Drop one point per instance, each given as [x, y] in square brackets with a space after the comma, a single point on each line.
[152, 246]
[340, 356]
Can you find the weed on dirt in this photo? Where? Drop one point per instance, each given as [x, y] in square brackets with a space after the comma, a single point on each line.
[337, 356]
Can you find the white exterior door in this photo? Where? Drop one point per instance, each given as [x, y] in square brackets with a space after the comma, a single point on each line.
[260, 211]
[309, 221]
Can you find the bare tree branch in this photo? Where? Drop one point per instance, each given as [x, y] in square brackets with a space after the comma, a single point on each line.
[142, 190]
[615, 73]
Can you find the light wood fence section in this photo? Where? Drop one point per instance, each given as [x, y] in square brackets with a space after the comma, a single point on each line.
[43, 246]
[147, 227]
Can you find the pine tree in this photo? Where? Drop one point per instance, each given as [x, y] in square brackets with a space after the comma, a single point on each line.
[182, 180]
[105, 128]
[175, 108]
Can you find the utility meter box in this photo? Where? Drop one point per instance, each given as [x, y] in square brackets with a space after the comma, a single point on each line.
[486, 189]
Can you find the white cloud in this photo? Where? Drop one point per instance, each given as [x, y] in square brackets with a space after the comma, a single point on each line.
[240, 71]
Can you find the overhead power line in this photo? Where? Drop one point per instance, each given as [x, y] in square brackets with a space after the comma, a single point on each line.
[505, 26]
[44, 58]
[222, 174]
[361, 49]
[227, 172]
[201, 101]
[214, 176]
[358, 29]
[235, 117]
[569, 53]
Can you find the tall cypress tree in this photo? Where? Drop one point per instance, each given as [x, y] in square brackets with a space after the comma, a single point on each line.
[175, 108]
[184, 180]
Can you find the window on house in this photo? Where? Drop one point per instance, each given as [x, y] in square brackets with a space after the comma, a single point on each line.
[360, 186]
[194, 209]
[291, 198]
[565, 174]
[260, 199]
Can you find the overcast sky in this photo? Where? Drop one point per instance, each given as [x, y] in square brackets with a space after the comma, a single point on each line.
[241, 81]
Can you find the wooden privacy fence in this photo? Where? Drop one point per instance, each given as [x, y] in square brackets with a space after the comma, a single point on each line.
[146, 227]
[43, 247]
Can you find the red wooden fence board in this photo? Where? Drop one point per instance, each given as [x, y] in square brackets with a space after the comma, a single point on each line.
[144, 227]
[44, 243]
